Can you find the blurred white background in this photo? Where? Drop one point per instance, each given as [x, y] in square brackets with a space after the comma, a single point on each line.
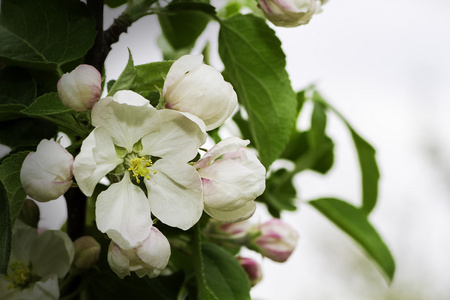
[385, 66]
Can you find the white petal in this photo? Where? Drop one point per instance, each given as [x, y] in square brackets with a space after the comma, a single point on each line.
[237, 215]
[23, 237]
[179, 136]
[62, 252]
[155, 253]
[118, 260]
[123, 213]
[126, 118]
[96, 159]
[45, 289]
[180, 67]
[230, 144]
[175, 194]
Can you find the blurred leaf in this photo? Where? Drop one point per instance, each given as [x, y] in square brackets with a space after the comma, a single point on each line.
[125, 79]
[5, 230]
[370, 173]
[44, 34]
[168, 51]
[47, 104]
[255, 65]
[10, 178]
[25, 132]
[17, 91]
[223, 274]
[355, 223]
[183, 22]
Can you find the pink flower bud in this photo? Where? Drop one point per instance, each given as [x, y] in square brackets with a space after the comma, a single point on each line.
[47, 173]
[252, 268]
[277, 241]
[199, 89]
[232, 178]
[288, 13]
[148, 259]
[80, 89]
[87, 251]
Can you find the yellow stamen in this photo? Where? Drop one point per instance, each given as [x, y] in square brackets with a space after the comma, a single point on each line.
[19, 274]
[139, 167]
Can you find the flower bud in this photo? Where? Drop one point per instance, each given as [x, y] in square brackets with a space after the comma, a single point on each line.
[252, 268]
[288, 13]
[232, 178]
[199, 89]
[80, 89]
[29, 213]
[47, 173]
[148, 259]
[277, 240]
[87, 251]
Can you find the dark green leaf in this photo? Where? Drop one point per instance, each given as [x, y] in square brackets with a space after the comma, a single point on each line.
[182, 27]
[5, 230]
[223, 274]
[355, 223]
[25, 132]
[126, 78]
[370, 174]
[10, 178]
[17, 91]
[47, 104]
[255, 65]
[115, 3]
[44, 34]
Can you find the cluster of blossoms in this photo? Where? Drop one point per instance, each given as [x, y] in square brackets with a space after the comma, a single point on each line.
[149, 155]
[290, 13]
[273, 239]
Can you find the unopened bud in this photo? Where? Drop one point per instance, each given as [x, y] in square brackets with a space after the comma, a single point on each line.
[29, 214]
[277, 240]
[288, 13]
[252, 268]
[80, 89]
[87, 251]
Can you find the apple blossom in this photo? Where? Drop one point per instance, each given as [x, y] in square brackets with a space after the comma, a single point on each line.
[87, 251]
[232, 178]
[199, 89]
[134, 139]
[149, 259]
[277, 241]
[80, 89]
[252, 268]
[288, 13]
[36, 264]
[47, 173]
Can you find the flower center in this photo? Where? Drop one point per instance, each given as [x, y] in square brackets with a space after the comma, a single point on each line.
[140, 168]
[19, 274]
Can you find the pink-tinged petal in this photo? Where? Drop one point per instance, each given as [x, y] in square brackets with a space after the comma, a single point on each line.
[180, 67]
[155, 253]
[175, 194]
[123, 213]
[230, 144]
[240, 214]
[179, 137]
[96, 159]
[62, 253]
[127, 116]
[119, 259]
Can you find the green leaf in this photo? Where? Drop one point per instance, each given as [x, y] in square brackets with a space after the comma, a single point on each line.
[44, 34]
[150, 77]
[223, 274]
[5, 231]
[126, 78]
[255, 65]
[10, 178]
[115, 3]
[182, 26]
[17, 91]
[355, 223]
[25, 132]
[370, 174]
[47, 104]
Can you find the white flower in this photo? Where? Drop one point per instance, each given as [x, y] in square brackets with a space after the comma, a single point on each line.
[288, 13]
[47, 173]
[148, 259]
[154, 146]
[199, 89]
[277, 241]
[232, 178]
[36, 263]
[80, 89]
